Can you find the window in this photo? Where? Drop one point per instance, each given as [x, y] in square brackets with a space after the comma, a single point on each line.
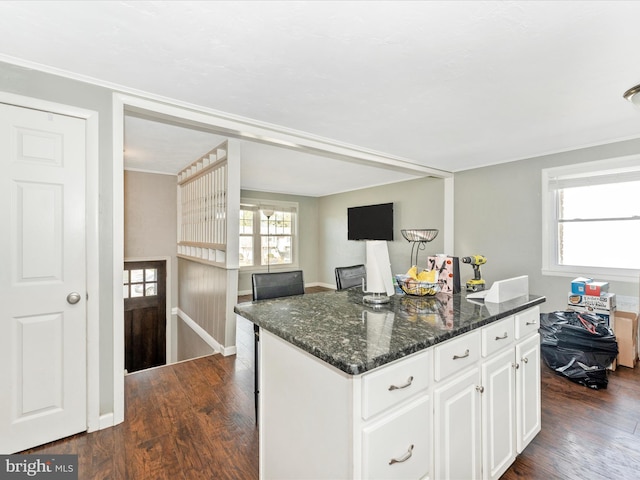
[267, 234]
[140, 282]
[591, 219]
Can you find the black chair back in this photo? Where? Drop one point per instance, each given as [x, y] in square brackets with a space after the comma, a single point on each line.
[347, 277]
[278, 284]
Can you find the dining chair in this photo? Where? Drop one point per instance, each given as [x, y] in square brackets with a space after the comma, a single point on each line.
[263, 287]
[347, 277]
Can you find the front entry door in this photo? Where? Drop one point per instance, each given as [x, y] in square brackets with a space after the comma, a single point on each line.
[145, 315]
[42, 278]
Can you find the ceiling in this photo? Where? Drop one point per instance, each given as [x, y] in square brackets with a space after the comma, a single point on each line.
[447, 85]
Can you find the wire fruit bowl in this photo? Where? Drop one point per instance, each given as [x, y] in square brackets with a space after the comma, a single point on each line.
[416, 288]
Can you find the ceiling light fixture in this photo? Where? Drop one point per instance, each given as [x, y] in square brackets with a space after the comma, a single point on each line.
[632, 95]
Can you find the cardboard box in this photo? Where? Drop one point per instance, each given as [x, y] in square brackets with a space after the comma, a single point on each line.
[596, 288]
[577, 285]
[626, 328]
[605, 301]
[606, 315]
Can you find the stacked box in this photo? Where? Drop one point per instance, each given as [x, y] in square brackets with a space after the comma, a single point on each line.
[606, 301]
[626, 327]
[578, 285]
[596, 288]
[603, 306]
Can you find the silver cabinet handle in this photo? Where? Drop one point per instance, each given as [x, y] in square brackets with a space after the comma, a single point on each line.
[480, 388]
[73, 298]
[466, 354]
[395, 387]
[403, 458]
[525, 359]
[503, 336]
[516, 365]
[531, 323]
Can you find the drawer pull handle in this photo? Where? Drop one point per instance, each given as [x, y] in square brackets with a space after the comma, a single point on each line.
[403, 458]
[531, 323]
[466, 354]
[395, 387]
[503, 336]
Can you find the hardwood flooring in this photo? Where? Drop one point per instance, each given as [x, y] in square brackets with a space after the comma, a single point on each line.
[586, 434]
[195, 420]
[192, 420]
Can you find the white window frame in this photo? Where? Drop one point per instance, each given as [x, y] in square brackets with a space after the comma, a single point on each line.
[577, 172]
[262, 204]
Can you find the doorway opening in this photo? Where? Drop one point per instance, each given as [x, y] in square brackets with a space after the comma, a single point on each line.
[144, 292]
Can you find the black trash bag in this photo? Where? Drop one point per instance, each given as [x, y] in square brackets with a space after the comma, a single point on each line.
[578, 346]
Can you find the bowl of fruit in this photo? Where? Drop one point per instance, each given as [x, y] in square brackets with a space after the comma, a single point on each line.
[419, 284]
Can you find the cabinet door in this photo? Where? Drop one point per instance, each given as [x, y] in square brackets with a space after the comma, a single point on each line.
[399, 446]
[457, 428]
[527, 391]
[498, 414]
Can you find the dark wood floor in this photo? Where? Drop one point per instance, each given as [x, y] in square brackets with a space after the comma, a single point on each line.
[195, 420]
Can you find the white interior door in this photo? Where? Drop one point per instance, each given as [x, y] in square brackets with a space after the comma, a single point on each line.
[42, 278]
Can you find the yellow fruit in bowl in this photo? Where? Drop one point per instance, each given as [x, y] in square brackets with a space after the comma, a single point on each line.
[413, 272]
[428, 276]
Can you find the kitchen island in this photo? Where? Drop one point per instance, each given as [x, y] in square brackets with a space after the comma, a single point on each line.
[421, 387]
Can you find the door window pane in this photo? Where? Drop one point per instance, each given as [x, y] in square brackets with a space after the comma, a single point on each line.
[150, 275]
[137, 276]
[151, 289]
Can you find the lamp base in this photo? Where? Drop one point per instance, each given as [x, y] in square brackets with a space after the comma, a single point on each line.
[376, 298]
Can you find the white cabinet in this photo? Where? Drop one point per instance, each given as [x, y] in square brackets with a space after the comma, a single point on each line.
[528, 395]
[398, 445]
[498, 413]
[488, 411]
[462, 409]
[456, 422]
[396, 426]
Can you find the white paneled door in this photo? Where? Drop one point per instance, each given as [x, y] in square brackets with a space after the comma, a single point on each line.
[43, 393]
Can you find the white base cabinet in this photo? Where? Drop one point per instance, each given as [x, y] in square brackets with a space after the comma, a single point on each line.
[457, 438]
[462, 409]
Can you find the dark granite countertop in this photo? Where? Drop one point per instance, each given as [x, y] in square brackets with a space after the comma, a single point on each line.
[338, 328]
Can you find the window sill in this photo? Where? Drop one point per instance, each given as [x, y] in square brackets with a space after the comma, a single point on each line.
[609, 274]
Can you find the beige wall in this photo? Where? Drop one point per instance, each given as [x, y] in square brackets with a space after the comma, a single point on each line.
[416, 203]
[307, 236]
[498, 213]
[150, 220]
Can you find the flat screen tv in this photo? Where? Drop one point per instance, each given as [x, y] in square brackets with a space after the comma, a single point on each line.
[370, 222]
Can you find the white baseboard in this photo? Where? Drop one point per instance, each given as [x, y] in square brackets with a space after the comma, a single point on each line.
[106, 421]
[227, 351]
[201, 332]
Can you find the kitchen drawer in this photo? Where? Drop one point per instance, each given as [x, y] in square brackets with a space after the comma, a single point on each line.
[399, 445]
[457, 354]
[396, 382]
[497, 335]
[527, 322]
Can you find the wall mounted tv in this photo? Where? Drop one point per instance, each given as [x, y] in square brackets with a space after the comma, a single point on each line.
[370, 222]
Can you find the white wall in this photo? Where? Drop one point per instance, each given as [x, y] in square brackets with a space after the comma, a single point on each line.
[417, 204]
[307, 237]
[150, 220]
[498, 213]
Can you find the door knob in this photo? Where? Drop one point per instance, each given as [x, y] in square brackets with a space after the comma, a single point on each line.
[73, 298]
